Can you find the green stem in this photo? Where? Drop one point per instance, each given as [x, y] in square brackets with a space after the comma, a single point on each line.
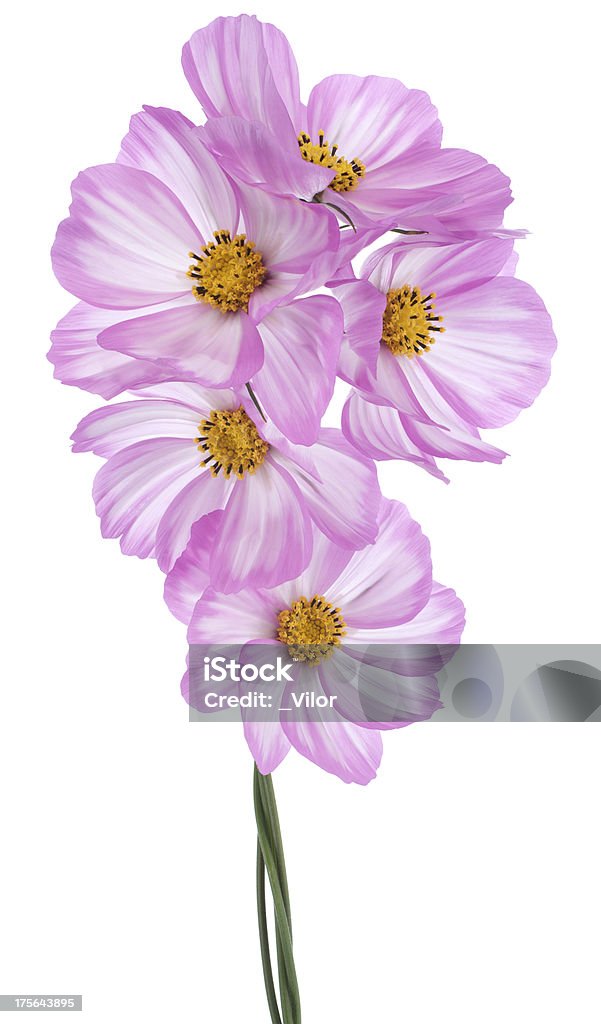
[264, 940]
[272, 852]
[268, 838]
[276, 835]
[266, 783]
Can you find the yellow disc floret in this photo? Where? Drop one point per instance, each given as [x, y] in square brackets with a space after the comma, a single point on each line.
[311, 629]
[408, 321]
[232, 442]
[227, 272]
[348, 172]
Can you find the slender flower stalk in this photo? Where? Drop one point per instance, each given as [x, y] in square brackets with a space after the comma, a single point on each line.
[255, 402]
[270, 859]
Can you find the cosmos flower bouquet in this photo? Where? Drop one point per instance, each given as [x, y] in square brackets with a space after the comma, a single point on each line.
[221, 288]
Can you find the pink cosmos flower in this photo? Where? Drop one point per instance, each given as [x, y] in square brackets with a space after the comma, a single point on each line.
[180, 452]
[447, 327]
[197, 277]
[343, 601]
[368, 145]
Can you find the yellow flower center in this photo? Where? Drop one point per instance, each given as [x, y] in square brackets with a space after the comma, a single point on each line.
[233, 443]
[348, 172]
[311, 629]
[408, 321]
[227, 272]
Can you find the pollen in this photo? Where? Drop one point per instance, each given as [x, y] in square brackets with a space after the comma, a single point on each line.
[227, 272]
[409, 325]
[348, 172]
[231, 442]
[311, 629]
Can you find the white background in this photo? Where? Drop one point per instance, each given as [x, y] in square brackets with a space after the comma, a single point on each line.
[463, 884]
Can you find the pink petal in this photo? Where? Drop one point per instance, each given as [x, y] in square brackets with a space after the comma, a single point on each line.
[253, 154]
[194, 396]
[363, 307]
[235, 618]
[216, 349]
[204, 494]
[373, 119]
[341, 748]
[460, 441]
[113, 427]
[296, 382]
[165, 143]
[265, 536]
[378, 432]
[264, 734]
[390, 582]
[495, 356]
[126, 241]
[79, 360]
[476, 201]
[459, 188]
[443, 269]
[189, 577]
[242, 67]
[440, 621]
[511, 265]
[341, 491]
[390, 431]
[135, 487]
[451, 436]
[326, 565]
[298, 241]
[268, 744]
[353, 242]
[391, 386]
